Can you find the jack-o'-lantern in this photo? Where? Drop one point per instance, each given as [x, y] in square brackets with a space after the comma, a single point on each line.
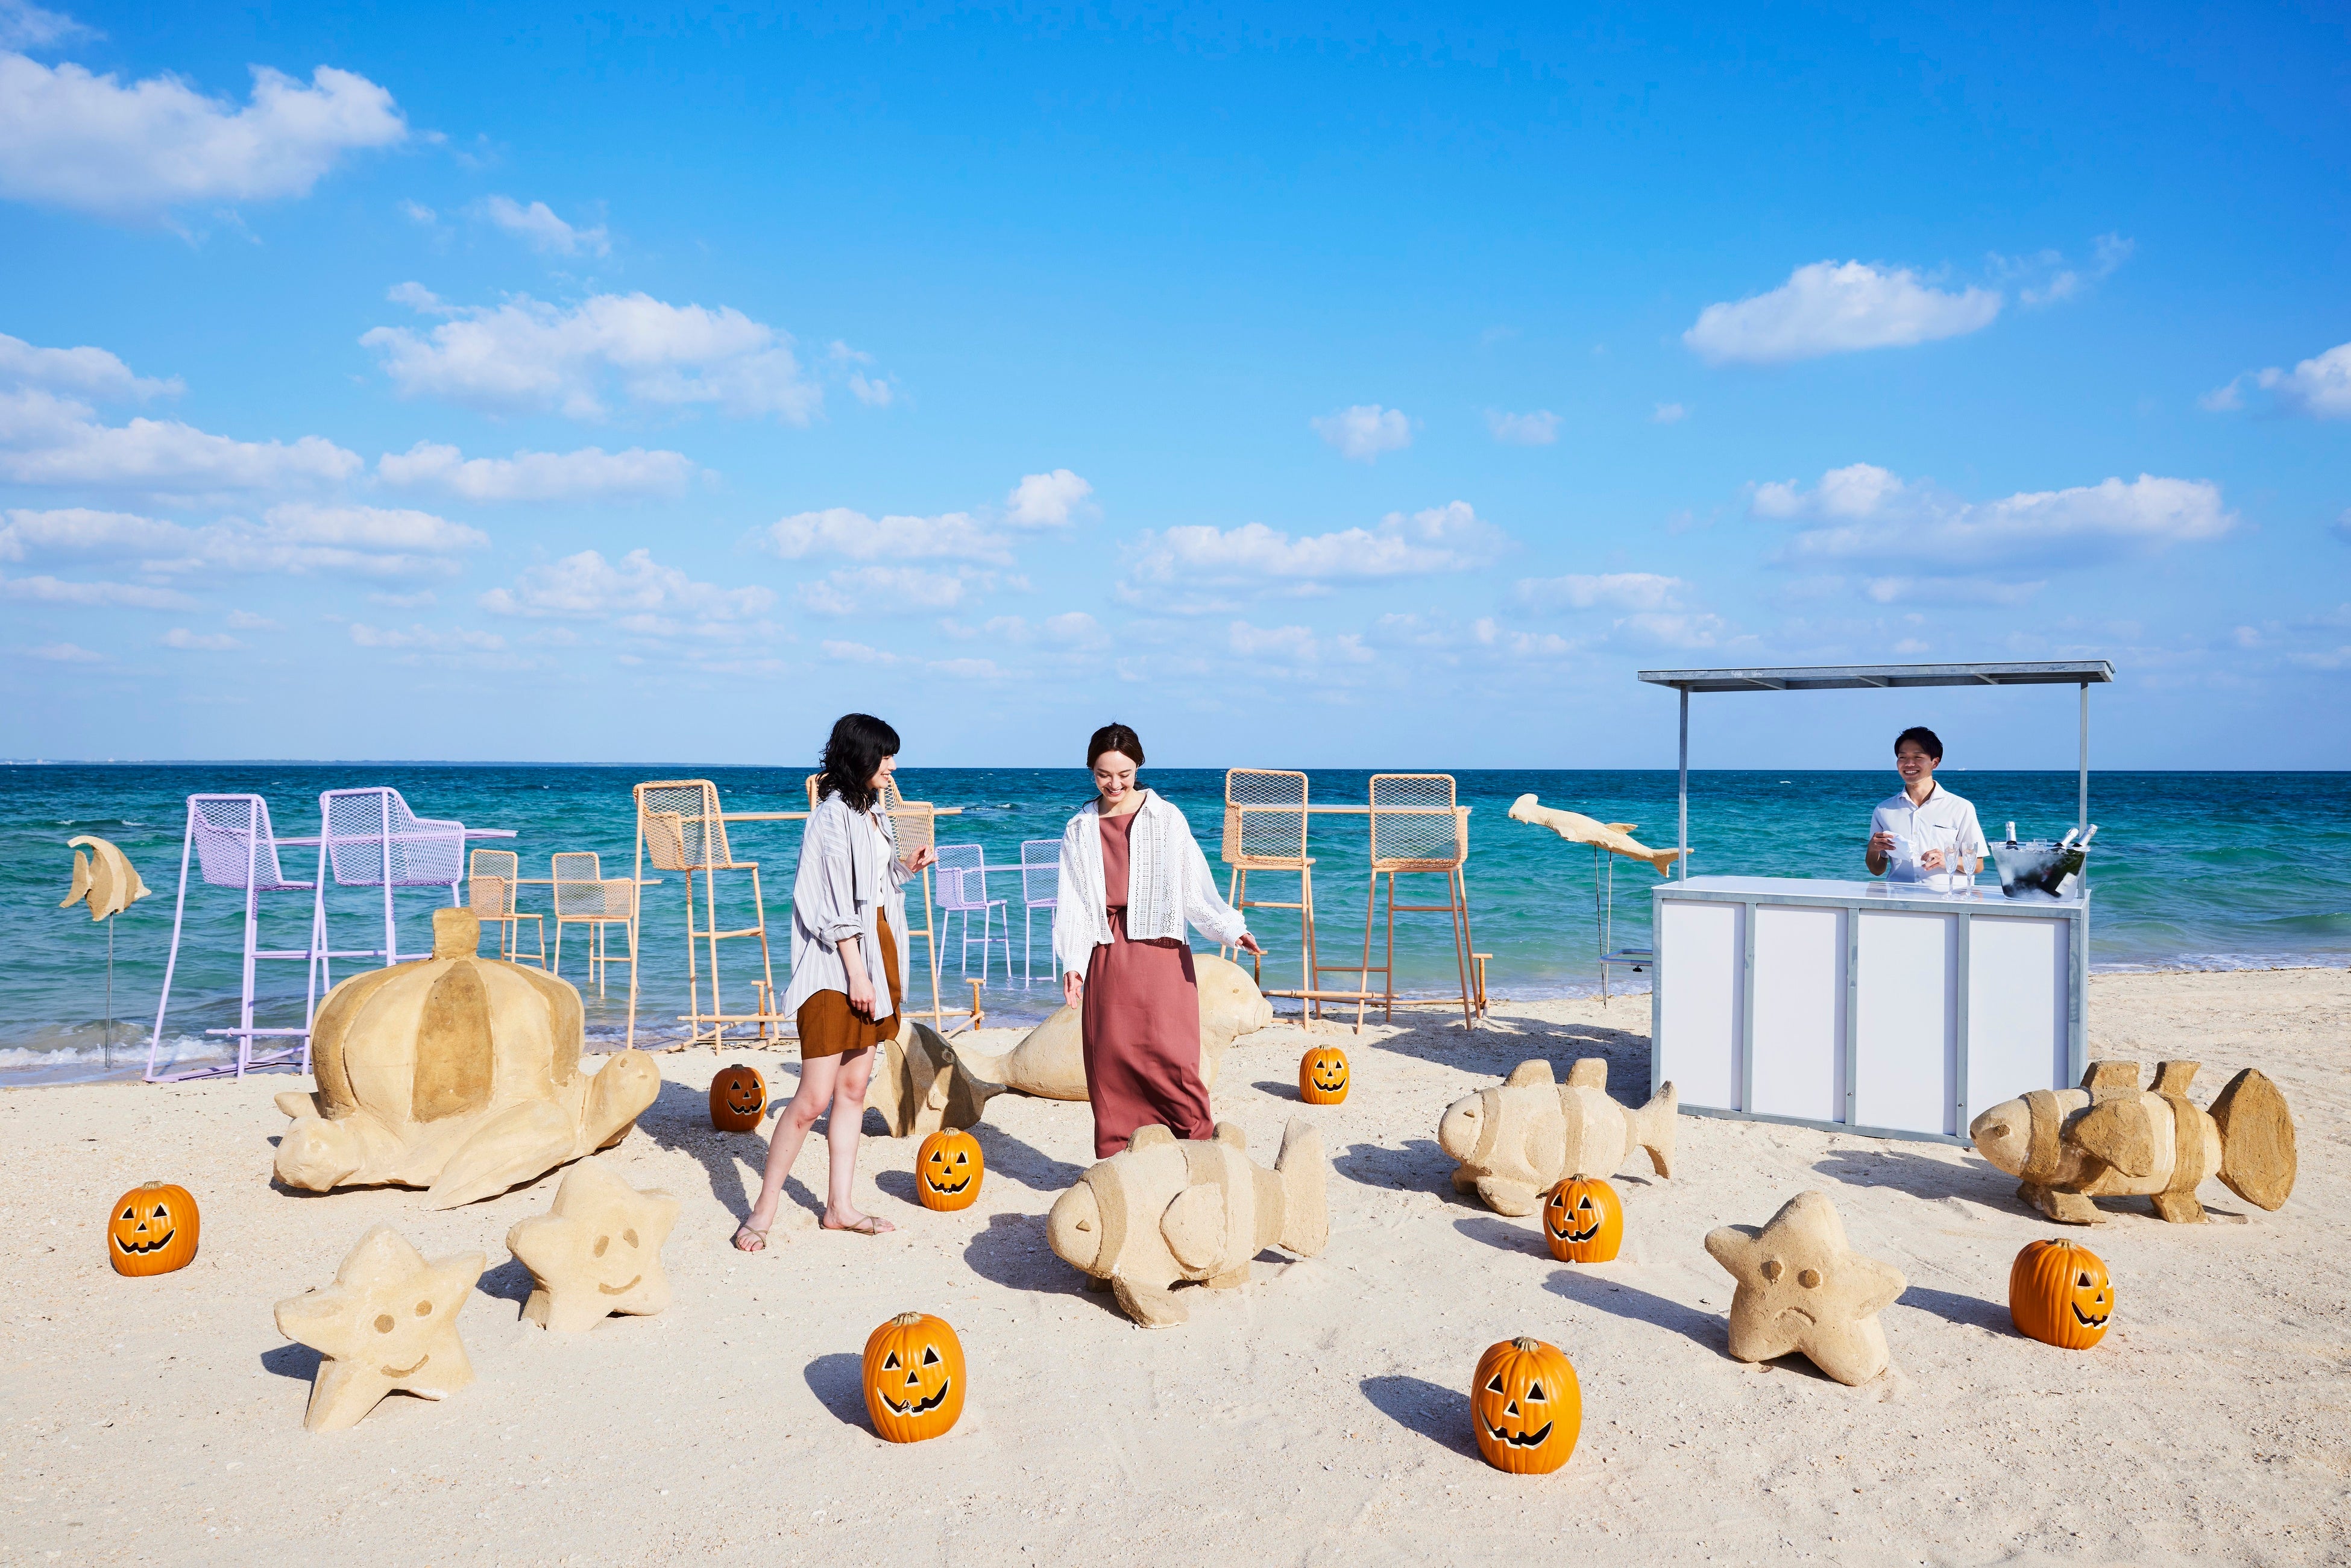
[1582, 1220]
[1526, 1406]
[2059, 1294]
[737, 1095]
[152, 1229]
[1322, 1075]
[948, 1167]
[913, 1377]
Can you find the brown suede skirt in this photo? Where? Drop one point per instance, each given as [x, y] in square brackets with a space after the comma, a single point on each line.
[828, 1026]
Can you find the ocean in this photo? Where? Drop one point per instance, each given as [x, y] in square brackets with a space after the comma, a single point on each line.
[2190, 870]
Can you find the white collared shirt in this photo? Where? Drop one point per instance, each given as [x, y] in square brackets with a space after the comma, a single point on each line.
[1943, 821]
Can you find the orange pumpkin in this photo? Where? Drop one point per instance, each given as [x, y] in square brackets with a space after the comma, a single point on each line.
[152, 1229]
[913, 1377]
[948, 1168]
[2059, 1294]
[737, 1096]
[1322, 1075]
[1526, 1406]
[1584, 1220]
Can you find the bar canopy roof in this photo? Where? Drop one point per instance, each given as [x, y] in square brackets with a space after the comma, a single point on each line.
[1850, 678]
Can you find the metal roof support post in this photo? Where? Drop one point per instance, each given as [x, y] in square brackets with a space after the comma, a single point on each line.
[1683, 863]
[2084, 824]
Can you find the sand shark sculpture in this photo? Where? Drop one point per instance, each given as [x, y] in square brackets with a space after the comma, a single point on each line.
[1578, 829]
[1515, 1141]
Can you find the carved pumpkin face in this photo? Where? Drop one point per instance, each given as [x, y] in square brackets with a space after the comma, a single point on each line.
[1584, 1220]
[913, 1377]
[2059, 1294]
[948, 1167]
[1526, 1406]
[152, 1229]
[737, 1095]
[1322, 1075]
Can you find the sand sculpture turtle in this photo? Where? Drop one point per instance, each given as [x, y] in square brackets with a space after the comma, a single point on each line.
[456, 1073]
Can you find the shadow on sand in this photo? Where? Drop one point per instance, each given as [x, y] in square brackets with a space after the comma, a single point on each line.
[836, 1380]
[1440, 1415]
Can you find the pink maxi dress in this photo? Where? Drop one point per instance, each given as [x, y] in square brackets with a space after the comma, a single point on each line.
[1140, 1017]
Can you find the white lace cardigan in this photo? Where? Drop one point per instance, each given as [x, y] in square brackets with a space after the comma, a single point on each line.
[1167, 884]
[849, 870]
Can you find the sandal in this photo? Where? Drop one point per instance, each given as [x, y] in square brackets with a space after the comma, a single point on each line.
[869, 1226]
[758, 1239]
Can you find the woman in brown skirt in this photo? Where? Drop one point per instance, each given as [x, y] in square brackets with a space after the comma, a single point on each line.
[847, 908]
[1133, 877]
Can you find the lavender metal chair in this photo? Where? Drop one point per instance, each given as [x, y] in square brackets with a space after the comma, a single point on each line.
[229, 839]
[1040, 888]
[963, 890]
[371, 838]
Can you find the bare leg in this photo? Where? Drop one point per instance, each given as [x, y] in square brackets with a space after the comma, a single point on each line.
[843, 1132]
[792, 1123]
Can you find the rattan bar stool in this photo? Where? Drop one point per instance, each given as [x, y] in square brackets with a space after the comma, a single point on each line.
[491, 879]
[1417, 830]
[680, 828]
[1265, 830]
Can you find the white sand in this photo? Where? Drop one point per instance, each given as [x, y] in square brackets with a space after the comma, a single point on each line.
[1320, 1415]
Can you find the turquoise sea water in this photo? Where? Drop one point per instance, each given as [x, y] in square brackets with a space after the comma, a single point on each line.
[2191, 870]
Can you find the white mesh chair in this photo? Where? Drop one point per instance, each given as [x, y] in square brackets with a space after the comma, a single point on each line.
[493, 881]
[680, 828]
[584, 896]
[1040, 888]
[371, 838]
[1417, 830]
[1265, 830]
[230, 843]
[963, 890]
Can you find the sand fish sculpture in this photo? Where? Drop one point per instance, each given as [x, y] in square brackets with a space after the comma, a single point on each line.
[1049, 1060]
[104, 879]
[456, 1073]
[915, 1087]
[1166, 1210]
[2110, 1138]
[1515, 1141]
[1578, 829]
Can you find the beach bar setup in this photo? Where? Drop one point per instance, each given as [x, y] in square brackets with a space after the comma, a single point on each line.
[1892, 1009]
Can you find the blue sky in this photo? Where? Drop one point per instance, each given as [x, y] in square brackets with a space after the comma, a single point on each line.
[1380, 388]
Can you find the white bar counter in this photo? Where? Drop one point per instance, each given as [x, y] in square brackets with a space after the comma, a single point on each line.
[1873, 1008]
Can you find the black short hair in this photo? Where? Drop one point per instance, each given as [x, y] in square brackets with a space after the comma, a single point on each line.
[859, 743]
[1925, 739]
[1114, 736]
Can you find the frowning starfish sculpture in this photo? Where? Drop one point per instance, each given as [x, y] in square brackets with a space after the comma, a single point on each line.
[1803, 1288]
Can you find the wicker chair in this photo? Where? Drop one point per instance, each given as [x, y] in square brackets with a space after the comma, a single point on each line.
[681, 828]
[1418, 830]
[584, 896]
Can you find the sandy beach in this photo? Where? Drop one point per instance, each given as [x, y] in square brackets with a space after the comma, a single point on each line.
[1320, 1415]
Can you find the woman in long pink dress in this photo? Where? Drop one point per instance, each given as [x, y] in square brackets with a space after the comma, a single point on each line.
[1132, 878]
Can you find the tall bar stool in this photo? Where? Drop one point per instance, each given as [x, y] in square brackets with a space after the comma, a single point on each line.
[492, 881]
[962, 873]
[1040, 888]
[680, 828]
[1417, 830]
[1265, 830]
[584, 896]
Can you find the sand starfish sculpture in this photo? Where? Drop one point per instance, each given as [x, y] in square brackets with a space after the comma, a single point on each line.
[596, 1252]
[389, 1322]
[1801, 1288]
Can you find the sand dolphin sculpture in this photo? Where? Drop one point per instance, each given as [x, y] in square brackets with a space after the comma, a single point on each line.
[1578, 829]
[1515, 1141]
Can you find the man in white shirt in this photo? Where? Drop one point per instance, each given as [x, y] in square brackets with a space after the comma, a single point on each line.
[1923, 828]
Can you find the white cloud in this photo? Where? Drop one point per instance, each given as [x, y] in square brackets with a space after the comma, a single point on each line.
[1866, 516]
[2055, 282]
[873, 392]
[297, 537]
[131, 595]
[537, 224]
[1451, 538]
[74, 139]
[1047, 500]
[416, 212]
[1294, 646]
[66, 654]
[1539, 428]
[92, 372]
[71, 531]
[1073, 629]
[50, 440]
[636, 592]
[2319, 387]
[24, 26]
[246, 620]
[1365, 431]
[590, 473]
[527, 354]
[455, 640]
[885, 590]
[839, 532]
[1669, 414]
[1828, 309]
[200, 642]
[1615, 590]
[965, 669]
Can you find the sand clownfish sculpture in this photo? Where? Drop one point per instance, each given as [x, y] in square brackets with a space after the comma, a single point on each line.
[1167, 1209]
[2110, 1138]
[1516, 1140]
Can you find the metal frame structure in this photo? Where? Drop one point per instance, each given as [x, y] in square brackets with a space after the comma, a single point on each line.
[1410, 798]
[493, 883]
[679, 818]
[960, 868]
[1266, 812]
[1040, 866]
[370, 838]
[595, 900]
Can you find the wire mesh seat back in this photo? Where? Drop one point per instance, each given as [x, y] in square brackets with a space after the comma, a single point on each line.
[235, 845]
[1040, 872]
[682, 828]
[490, 897]
[582, 890]
[1414, 824]
[962, 877]
[373, 839]
[1265, 819]
[915, 824]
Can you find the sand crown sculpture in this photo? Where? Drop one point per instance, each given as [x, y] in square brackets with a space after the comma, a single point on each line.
[1515, 1141]
[2110, 1138]
[456, 1073]
[922, 1084]
[1166, 1210]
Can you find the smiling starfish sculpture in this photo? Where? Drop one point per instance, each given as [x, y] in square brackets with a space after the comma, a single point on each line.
[1801, 1288]
[387, 1324]
[596, 1252]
